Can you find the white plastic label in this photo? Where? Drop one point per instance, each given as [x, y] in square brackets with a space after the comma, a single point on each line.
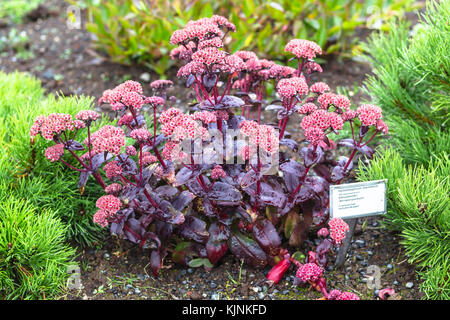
[353, 200]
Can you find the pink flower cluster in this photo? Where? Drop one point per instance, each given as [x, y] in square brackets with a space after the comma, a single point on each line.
[55, 152]
[338, 295]
[218, 173]
[303, 48]
[113, 188]
[154, 101]
[128, 94]
[202, 29]
[140, 134]
[263, 136]
[87, 115]
[319, 87]
[290, 87]
[161, 84]
[205, 116]
[107, 139]
[315, 124]
[108, 206]
[309, 272]
[53, 124]
[338, 229]
[112, 169]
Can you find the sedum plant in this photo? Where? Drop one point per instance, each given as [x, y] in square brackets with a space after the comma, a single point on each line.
[216, 178]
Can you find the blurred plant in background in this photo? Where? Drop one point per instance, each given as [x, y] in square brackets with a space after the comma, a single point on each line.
[133, 31]
[15, 10]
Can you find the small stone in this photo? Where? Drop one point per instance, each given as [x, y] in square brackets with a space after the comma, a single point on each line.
[389, 266]
[409, 285]
[128, 286]
[370, 253]
[215, 296]
[213, 285]
[285, 292]
[261, 295]
[395, 283]
[190, 270]
[360, 243]
[364, 263]
[359, 257]
[145, 77]
[106, 256]
[137, 291]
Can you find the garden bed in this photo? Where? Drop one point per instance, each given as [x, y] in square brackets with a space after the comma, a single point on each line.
[65, 62]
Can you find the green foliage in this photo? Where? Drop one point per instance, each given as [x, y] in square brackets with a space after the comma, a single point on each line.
[139, 31]
[411, 82]
[419, 207]
[15, 10]
[25, 172]
[33, 256]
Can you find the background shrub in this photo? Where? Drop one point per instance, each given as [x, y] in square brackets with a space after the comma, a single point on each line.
[33, 256]
[411, 82]
[418, 207]
[139, 31]
[15, 10]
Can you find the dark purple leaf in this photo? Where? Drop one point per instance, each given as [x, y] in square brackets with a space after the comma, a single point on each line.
[304, 194]
[190, 80]
[234, 121]
[84, 176]
[292, 172]
[323, 171]
[99, 159]
[247, 249]
[300, 231]
[338, 173]
[318, 184]
[363, 131]
[209, 80]
[366, 150]
[73, 145]
[272, 195]
[250, 178]
[310, 156]
[226, 103]
[194, 229]
[140, 122]
[217, 246]
[163, 230]
[127, 164]
[321, 251]
[347, 143]
[267, 237]
[273, 107]
[166, 191]
[222, 191]
[182, 200]
[291, 144]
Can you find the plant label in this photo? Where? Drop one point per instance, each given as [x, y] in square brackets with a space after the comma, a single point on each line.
[361, 199]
